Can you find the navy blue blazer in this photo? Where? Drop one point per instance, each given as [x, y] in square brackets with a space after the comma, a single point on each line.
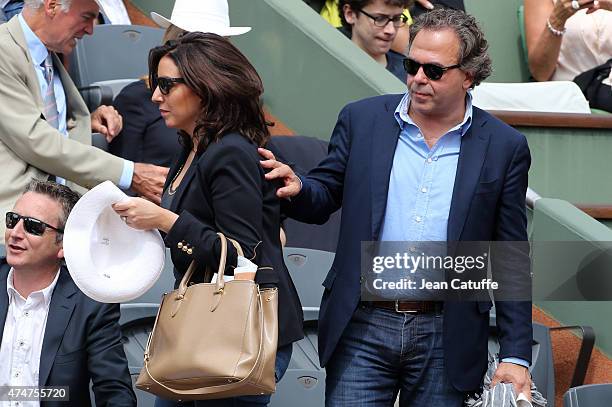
[488, 204]
[82, 342]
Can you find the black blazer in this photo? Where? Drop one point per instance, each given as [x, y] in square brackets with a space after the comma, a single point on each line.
[144, 137]
[226, 192]
[82, 342]
[303, 153]
[488, 204]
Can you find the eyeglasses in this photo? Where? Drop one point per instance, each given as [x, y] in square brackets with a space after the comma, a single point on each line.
[432, 71]
[165, 84]
[382, 20]
[33, 226]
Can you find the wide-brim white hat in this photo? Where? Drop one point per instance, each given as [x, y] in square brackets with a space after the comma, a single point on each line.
[210, 16]
[99, 3]
[108, 260]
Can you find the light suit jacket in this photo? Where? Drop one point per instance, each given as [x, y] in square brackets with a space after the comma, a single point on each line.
[29, 146]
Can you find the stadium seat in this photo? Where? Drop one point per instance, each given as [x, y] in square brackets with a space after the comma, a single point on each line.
[308, 269]
[304, 382]
[95, 96]
[113, 52]
[590, 395]
[115, 85]
[99, 140]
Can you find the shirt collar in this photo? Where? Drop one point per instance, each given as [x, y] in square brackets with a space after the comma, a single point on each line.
[46, 292]
[401, 114]
[38, 50]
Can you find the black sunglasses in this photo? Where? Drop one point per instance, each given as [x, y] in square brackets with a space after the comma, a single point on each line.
[432, 71]
[165, 84]
[382, 20]
[31, 225]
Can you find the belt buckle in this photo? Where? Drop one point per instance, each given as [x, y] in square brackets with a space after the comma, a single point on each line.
[404, 312]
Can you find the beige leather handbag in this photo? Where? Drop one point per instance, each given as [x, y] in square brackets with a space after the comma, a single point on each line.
[213, 340]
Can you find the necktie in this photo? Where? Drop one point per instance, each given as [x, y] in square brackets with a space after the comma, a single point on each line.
[50, 104]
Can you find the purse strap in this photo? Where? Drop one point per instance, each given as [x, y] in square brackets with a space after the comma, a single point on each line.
[210, 389]
[221, 271]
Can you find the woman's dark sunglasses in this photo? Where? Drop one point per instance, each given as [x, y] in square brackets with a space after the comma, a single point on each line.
[165, 84]
[432, 71]
[31, 225]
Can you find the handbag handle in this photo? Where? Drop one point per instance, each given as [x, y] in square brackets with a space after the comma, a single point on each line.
[210, 389]
[220, 280]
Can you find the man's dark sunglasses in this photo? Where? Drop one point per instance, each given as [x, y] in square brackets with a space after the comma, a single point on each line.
[31, 225]
[432, 71]
[165, 84]
[382, 20]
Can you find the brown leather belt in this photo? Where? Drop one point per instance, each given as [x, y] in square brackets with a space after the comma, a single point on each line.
[412, 307]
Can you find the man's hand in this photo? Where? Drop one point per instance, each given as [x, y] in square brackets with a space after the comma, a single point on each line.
[293, 185]
[106, 120]
[148, 181]
[515, 374]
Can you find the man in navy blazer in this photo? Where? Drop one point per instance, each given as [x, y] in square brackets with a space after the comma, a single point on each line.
[424, 166]
[51, 334]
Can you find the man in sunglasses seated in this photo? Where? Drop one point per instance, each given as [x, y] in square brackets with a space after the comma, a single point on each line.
[373, 25]
[426, 165]
[45, 126]
[51, 334]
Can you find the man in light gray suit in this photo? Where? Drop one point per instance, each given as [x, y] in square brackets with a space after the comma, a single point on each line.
[45, 127]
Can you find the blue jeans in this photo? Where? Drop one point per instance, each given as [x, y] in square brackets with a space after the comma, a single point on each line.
[383, 352]
[283, 356]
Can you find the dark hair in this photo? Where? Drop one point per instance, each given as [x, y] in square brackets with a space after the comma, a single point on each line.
[473, 55]
[357, 5]
[225, 81]
[61, 194]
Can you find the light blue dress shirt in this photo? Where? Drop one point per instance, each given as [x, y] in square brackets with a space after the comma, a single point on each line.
[422, 182]
[38, 53]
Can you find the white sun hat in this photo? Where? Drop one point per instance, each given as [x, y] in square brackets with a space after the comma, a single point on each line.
[210, 16]
[108, 260]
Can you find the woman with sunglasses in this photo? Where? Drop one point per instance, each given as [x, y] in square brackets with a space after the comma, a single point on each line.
[209, 91]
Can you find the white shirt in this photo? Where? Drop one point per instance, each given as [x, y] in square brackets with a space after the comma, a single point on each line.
[22, 339]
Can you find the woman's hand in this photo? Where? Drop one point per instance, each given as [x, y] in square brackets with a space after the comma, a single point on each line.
[564, 9]
[144, 215]
[600, 5]
[543, 23]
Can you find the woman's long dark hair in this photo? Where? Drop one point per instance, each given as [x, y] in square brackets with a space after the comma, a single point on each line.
[225, 81]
